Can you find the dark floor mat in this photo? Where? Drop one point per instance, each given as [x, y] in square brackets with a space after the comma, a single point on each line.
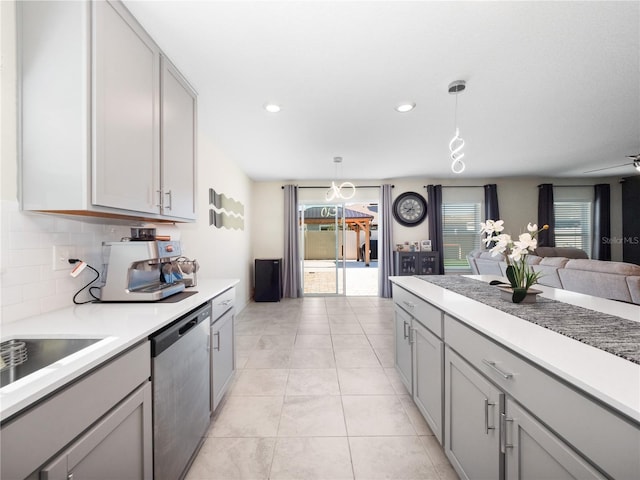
[177, 297]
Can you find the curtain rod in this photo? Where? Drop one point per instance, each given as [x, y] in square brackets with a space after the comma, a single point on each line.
[329, 186]
[458, 186]
[564, 186]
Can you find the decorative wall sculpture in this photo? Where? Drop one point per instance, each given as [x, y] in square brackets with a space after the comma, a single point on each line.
[225, 212]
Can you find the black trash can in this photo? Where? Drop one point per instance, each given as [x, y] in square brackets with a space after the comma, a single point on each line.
[268, 280]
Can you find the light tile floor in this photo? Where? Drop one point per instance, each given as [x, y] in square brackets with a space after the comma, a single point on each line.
[316, 396]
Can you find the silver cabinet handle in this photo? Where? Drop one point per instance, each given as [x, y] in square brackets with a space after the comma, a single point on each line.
[487, 404]
[168, 193]
[412, 335]
[406, 333]
[493, 365]
[409, 304]
[159, 204]
[217, 335]
[503, 433]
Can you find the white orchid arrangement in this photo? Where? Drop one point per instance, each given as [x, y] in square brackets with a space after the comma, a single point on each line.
[520, 276]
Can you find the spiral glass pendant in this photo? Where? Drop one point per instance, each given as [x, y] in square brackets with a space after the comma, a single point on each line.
[457, 142]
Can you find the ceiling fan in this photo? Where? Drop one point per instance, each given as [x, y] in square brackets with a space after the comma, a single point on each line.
[635, 161]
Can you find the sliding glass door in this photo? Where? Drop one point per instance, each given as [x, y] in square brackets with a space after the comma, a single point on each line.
[323, 235]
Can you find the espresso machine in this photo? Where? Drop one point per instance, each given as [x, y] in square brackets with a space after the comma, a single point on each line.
[141, 271]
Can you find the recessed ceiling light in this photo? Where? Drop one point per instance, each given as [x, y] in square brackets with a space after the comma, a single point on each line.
[272, 107]
[405, 107]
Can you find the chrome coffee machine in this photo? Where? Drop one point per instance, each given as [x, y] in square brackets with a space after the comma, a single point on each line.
[141, 271]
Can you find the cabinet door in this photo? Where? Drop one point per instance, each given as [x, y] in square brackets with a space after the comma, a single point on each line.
[427, 376]
[533, 453]
[428, 263]
[118, 446]
[472, 407]
[403, 355]
[126, 90]
[178, 144]
[222, 358]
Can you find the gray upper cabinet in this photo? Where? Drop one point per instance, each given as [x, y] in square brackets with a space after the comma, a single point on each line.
[127, 110]
[107, 128]
[178, 133]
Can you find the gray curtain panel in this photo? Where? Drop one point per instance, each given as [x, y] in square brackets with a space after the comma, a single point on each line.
[385, 242]
[434, 201]
[601, 249]
[546, 215]
[291, 281]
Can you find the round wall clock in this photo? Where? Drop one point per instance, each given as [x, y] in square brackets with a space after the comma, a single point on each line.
[410, 209]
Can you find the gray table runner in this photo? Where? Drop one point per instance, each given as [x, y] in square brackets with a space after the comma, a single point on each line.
[612, 334]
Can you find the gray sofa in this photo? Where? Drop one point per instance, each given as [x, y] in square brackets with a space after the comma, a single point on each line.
[570, 269]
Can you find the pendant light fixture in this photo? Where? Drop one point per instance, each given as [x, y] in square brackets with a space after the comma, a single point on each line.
[344, 191]
[457, 143]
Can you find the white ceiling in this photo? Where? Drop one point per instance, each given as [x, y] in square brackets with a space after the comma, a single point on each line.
[553, 88]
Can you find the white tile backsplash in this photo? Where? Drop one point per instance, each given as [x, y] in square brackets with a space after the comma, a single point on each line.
[28, 284]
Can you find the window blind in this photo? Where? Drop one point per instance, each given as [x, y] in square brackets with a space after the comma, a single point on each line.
[461, 233]
[573, 224]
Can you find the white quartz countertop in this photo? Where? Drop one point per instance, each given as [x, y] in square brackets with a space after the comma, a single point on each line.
[118, 325]
[613, 380]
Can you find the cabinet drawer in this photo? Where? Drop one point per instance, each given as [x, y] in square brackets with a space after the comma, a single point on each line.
[605, 438]
[38, 434]
[426, 314]
[222, 303]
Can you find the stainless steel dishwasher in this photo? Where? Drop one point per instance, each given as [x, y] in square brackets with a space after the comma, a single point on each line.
[181, 389]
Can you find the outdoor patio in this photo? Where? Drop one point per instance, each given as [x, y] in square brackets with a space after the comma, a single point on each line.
[320, 278]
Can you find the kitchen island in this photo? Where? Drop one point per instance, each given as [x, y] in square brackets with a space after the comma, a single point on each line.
[579, 405]
[105, 386]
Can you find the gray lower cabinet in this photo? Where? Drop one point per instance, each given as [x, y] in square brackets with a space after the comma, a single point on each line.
[544, 418]
[419, 355]
[100, 423]
[490, 436]
[403, 355]
[498, 415]
[532, 452]
[222, 356]
[472, 407]
[118, 446]
[428, 351]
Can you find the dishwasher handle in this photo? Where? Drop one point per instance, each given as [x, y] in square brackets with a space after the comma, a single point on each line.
[188, 326]
[167, 336]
